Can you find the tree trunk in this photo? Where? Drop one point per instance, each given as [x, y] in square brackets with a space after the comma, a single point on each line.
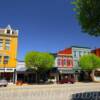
[36, 77]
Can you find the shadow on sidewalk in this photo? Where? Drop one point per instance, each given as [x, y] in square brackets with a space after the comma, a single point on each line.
[86, 96]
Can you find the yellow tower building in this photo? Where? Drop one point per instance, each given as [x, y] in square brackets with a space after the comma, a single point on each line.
[8, 52]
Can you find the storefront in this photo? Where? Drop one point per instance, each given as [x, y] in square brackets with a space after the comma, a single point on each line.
[24, 75]
[8, 74]
[65, 75]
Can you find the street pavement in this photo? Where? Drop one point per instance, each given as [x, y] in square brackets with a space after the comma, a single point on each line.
[46, 92]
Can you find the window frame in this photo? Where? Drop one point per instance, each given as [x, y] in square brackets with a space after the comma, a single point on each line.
[1, 44]
[7, 44]
[7, 60]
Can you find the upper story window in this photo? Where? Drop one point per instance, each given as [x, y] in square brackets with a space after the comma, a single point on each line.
[6, 59]
[69, 63]
[13, 32]
[8, 31]
[75, 54]
[64, 61]
[80, 53]
[1, 44]
[59, 62]
[7, 44]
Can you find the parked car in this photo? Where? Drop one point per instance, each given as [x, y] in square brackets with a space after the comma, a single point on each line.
[70, 79]
[3, 82]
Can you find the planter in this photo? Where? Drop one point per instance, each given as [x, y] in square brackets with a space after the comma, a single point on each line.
[19, 83]
[94, 77]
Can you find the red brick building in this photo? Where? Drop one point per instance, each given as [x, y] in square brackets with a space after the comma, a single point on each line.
[96, 52]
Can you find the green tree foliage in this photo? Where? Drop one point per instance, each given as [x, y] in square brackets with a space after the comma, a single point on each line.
[88, 15]
[89, 62]
[39, 61]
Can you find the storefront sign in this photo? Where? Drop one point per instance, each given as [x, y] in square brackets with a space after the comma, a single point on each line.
[7, 69]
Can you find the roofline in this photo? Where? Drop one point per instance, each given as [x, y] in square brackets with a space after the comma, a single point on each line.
[20, 61]
[95, 49]
[79, 47]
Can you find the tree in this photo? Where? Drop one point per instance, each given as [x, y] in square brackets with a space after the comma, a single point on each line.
[39, 62]
[88, 15]
[85, 62]
[88, 63]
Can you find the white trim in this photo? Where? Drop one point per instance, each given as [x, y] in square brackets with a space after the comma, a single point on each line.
[7, 69]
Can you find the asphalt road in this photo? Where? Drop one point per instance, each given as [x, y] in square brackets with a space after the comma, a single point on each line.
[47, 92]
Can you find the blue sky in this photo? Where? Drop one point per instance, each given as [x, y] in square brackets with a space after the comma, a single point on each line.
[44, 25]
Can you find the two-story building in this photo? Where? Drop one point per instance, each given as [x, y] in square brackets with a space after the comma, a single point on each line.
[8, 52]
[67, 60]
[77, 52]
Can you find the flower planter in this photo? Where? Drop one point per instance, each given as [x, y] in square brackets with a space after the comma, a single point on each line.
[19, 83]
[95, 78]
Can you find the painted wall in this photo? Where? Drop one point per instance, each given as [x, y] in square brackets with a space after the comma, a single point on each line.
[70, 56]
[77, 52]
[64, 61]
[12, 52]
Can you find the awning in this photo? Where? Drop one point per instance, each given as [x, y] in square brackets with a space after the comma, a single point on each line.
[21, 69]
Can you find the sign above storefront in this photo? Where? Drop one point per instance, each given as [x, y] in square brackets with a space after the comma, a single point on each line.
[7, 69]
[66, 70]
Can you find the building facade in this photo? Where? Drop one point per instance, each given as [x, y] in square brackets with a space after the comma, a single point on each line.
[8, 52]
[67, 60]
[77, 52]
[74, 53]
[63, 61]
[96, 52]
